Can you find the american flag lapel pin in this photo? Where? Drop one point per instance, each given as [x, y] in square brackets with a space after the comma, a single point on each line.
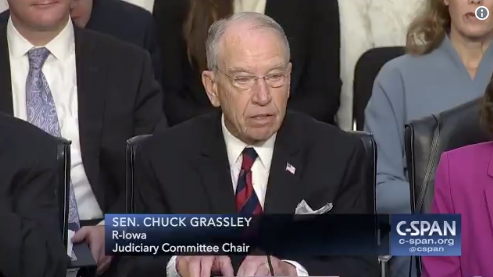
[290, 168]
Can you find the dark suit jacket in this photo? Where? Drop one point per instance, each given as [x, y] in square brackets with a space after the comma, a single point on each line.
[129, 23]
[124, 21]
[30, 244]
[312, 28]
[118, 98]
[185, 169]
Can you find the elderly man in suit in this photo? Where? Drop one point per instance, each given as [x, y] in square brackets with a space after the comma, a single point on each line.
[253, 145]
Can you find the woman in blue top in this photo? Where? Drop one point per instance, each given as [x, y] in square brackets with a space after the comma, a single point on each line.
[449, 62]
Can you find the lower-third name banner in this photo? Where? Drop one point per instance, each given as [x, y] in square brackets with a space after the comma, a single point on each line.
[196, 234]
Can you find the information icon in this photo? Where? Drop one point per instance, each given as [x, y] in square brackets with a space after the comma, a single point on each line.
[482, 13]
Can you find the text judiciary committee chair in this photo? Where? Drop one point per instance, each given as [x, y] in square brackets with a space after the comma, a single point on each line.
[312, 28]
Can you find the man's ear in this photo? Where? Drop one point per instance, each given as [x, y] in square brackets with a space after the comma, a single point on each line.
[288, 72]
[210, 86]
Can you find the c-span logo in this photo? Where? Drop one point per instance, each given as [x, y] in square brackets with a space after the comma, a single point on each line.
[425, 235]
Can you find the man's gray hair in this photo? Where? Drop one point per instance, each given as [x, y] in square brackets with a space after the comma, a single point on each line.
[217, 30]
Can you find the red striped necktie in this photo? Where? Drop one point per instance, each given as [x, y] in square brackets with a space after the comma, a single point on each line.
[247, 202]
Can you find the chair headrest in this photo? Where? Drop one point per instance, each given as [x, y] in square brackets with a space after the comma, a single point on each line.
[428, 138]
[461, 126]
[453, 128]
[137, 140]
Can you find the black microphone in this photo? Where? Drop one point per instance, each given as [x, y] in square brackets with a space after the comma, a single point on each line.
[271, 269]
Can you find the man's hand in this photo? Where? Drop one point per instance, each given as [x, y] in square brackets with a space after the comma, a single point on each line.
[94, 236]
[258, 266]
[203, 266]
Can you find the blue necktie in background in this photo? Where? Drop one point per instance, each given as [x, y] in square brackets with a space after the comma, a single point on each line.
[41, 111]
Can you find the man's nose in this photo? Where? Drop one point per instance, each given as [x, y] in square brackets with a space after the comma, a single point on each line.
[261, 92]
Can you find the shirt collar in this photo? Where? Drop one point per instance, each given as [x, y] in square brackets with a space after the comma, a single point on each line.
[234, 147]
[60, 47]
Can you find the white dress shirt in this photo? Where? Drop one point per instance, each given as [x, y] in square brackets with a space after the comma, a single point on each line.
[257, 6]
[60, 72]
[260, 176]
[3, 5]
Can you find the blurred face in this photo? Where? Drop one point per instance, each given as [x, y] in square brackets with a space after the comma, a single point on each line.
[251, 83]
[40, 15]
[80, 11]
[464, 21]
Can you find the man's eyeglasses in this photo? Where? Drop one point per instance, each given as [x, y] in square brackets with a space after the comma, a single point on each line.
[244, 82]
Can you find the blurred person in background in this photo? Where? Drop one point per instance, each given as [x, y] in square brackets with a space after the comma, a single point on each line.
[449, 62]
[312, 28]
[92, 89]
[31, 241]
[453, 65]
[367, 24]
[464, 185]
[111, 17]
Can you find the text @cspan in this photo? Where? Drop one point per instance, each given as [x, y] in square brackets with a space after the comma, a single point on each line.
[448, 242]
[414, 250]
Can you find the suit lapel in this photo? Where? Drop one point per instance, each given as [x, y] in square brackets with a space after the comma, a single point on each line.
[214, 170]
[6, 104]
[489, 192]
[286, 167]
[91, 87]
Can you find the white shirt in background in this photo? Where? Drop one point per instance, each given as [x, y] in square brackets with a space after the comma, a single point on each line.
[366, 24]
[3, 5]
[146, 4]
[257, 6]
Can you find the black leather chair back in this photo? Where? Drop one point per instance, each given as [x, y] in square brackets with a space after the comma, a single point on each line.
[369, 176]
[63, 195]
[63, 189]
[365, 72]
[369, 171]
[426, 139]
[132, 146]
